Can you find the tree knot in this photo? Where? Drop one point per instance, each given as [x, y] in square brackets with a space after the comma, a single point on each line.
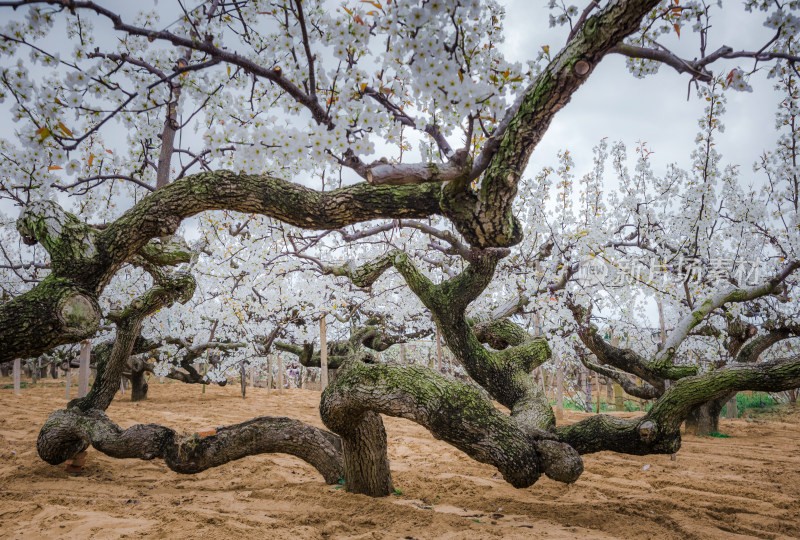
[648, 431]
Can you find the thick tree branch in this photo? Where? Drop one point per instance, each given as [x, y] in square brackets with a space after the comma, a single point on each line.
[506, 154]
[662, 361]
[453, 412]
[753, 350]
[63, 307]
[627, 360]
[68, 432]
[659, 430]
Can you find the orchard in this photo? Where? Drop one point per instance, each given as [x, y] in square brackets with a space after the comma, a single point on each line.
[218, 190]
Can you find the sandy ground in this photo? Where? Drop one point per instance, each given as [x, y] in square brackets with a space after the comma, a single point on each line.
[747, 486]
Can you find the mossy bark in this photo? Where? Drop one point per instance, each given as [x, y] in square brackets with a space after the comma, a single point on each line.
[139, 384]
[704, 419]
[659, 430]
[63, 307]
[54, 312]
[365, 460]
[111, 363]
[68, 432]
[452, 411]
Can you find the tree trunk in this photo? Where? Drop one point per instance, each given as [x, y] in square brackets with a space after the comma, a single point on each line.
[366, 465]
[438, 349]
[733, 409]
[269, 374]
[323, 353]
[83, 372]
[705, 419]
[597, 383]
[138, 382]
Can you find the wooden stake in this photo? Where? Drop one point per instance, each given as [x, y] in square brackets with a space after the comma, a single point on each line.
[281, 375]
[663, 324]
[83, 370]
[587, 382]
[559, 392]
[69, 378]
[17, 374]
[323, 353]
[619, 398]
[597, 383]
[619, 394]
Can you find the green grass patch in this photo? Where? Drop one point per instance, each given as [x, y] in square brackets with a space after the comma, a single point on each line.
[22, 384]
[756, 400]
[605, 406]
[751, 400]
[719, 435]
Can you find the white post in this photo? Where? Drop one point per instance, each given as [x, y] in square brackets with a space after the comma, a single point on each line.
[662, 323]
[323, 352]
[597, 383]
[122, 385]
[253, 376]
[543, 374]
[83, 371]
[281, 375]
[69, 377]
[269, 374]
[17, 370]
[559, 392]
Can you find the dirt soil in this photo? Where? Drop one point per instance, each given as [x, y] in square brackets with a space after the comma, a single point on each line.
[745, 486]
